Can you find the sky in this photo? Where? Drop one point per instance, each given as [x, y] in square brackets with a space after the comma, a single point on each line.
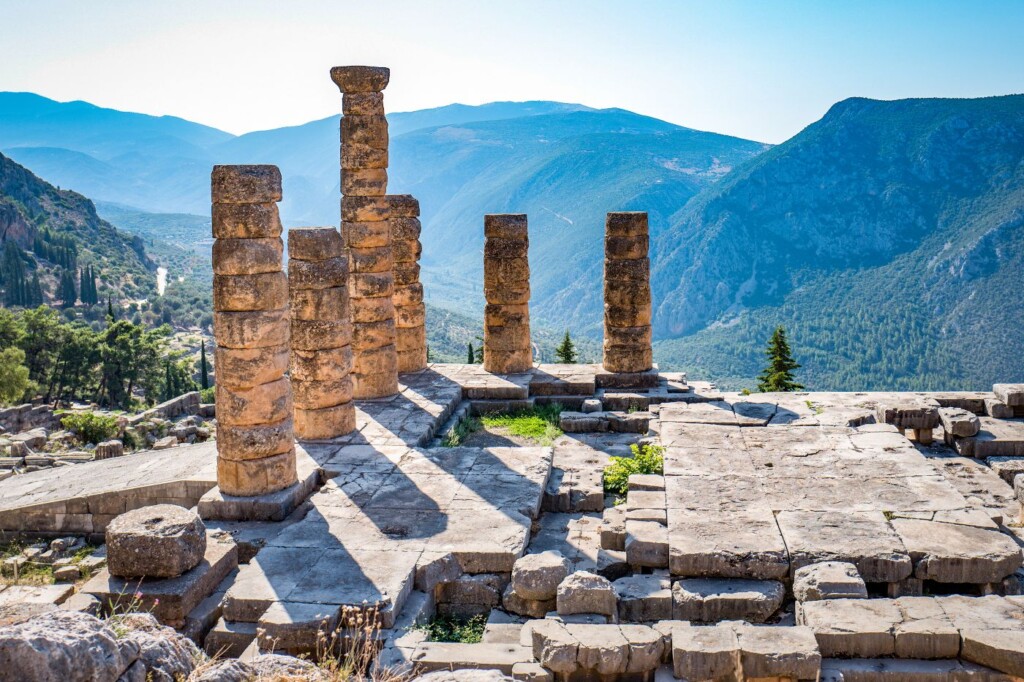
[759, 70]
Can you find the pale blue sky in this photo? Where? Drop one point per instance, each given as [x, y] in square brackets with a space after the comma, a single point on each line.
[761, 70]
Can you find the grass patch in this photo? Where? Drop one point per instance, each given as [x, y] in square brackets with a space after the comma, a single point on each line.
[646, 459]
[539, 424]
[450, 629]
[460, 432]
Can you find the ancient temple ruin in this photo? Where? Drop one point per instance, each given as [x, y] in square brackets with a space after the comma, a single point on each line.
[787, 536]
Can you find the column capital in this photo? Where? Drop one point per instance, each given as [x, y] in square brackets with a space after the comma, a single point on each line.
[360, 78]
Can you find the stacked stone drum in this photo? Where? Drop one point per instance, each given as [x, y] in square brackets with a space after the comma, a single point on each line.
[410, 313]
[255, 440]
[507, 348]
[627, 294]
[321, 358]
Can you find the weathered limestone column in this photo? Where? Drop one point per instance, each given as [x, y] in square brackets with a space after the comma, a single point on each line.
[321, 347]
[627, 294]
[255, 440]
[410, 313]
[507, 348]
[366, 230]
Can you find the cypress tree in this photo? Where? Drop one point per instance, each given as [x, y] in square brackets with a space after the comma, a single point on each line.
[566, 351]
[168, 390]
[778, 375]
[204, 375]
[110, 310]
[471, 356]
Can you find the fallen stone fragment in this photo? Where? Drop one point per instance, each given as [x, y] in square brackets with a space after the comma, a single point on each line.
[584, 592]
[161, 541]
[537, 576]
[828, 580]
[959, 422]
[710, 600]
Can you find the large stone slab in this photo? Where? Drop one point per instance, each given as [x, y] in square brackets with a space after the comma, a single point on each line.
[954, 553]
[731, 544]
[852, 628]
[710, 600]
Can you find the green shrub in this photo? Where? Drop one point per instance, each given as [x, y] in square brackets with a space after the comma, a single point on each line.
[91, 427]
[207, 395]
[460, 432]
[646, 459]
[450, 629]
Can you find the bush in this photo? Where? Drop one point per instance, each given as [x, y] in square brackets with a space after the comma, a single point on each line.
[646, 459]
[207, 395]
[450, 629]
[91, 427]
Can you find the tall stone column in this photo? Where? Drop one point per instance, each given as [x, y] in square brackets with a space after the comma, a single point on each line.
[507, 348]
[410, 313]
[365, 227]
[255, 440]
[627, 294]
[321, 357]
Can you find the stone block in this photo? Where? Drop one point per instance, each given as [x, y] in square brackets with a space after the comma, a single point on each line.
[643, 598]
[254, 442]
[325, 422]
[999, 649]
[229, 638]
[251, 329]
[316, 395]
[363, 209]
[325, 364]
[584, 592]
[646, 648]
[366, 235]
[505, 225]
[647, 544]
[1010, 394]
[431, 656]
[371, 285]
[360, 79]
[320, 304]
[258, 476]
[954, 553]
[315, 244]
[600, 648]
[630, 360]
[375, 259]
[160, 541]
[626, 224]
[537, 576]
[365, 130]
[786, 653]
[296, 627]
[926, 631]
[245, 184]
[705, 653]
[828, 580]
[531, 608]
[626, 247]
[959, 422]
[264, 291]
[737, 544]
[710, 600]
[264, 404]
[531, 672]
[313, 335]
[364, 182]
[247, 256]
[857, 628]
[324, 274]
[613, 528]
[362, 104]
[246, 368]
[246, 221]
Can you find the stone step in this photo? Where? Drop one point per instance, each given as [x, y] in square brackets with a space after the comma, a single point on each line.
[742, 651]
[500, 406]
[710, 600]
[906, 670]
[430, 656]
[229, 639]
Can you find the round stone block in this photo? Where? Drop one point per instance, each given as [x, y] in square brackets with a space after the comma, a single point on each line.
[246, 221]
[315, 243]
[247, 256]
[366, 235]
[357, 156]
[498, 247]
[251, 329]
[412, 359]
[364, 182]
[639, 336]
[407, 273]
[406, 250]
[408, 294]
[518, 294]
[249, 367]
[323, 274]
[370, 310]
[364, 209]
[321, 365]
[405, 228]
[362, 104]
[360, 78]
[627, 359]
[240, 443]
[320, 334]
[626, 224]
[256, 476]
[507, 362]
[404, 205]
[245, 184]
[320, 304]
[375, 385]
[328, 422]
[161, 541]
[410, 316]
[505, 225]
[315, 395]
[371, 284]
[631, 247]
[376, 259]
[500, 272]
[635, 270]
[409, 338]
[627, 315]
[370, 335]
[371, 131]
[265, 291]
[627, 294]
[508, 338]
[263, 404]
[502, 315]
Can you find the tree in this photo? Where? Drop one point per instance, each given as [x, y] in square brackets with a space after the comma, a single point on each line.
[566, 351]
[470, 356]
[778, 375]
[204, 371]
[110, 311]
[13, 375]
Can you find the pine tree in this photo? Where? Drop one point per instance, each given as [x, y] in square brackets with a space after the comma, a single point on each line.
[204, 372]
[566, 351]
[778, 375]
[471, 356]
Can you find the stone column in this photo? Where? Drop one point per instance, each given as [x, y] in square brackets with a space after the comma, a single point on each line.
[627, 294]
[410, 313]
[255, 440]
[507, 348]
[365, 227]
[321, 333]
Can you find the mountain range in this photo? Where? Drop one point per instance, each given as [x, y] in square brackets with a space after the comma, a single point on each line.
[886, 236]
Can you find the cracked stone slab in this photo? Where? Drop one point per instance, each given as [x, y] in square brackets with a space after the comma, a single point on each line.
[864, 539]
[954, 553]
[736, 544]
